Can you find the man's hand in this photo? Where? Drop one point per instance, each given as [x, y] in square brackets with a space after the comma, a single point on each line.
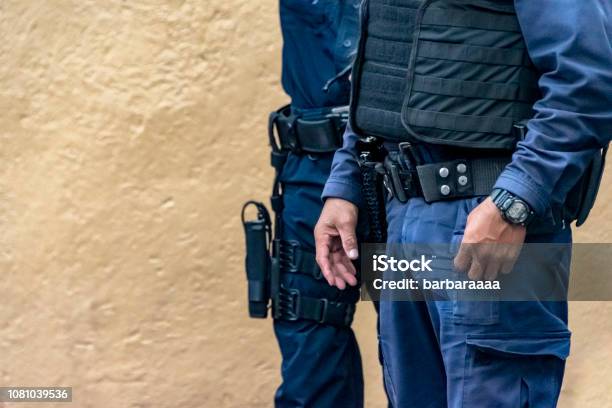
[336, 242]
[490, 245]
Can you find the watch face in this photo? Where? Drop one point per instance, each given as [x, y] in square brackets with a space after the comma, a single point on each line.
[518, 212]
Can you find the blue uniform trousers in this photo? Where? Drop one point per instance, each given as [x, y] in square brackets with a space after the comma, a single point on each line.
[321, 364]
[468, 354]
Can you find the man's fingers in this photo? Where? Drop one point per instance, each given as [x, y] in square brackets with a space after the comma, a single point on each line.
[490, 259]
[339, 282]
[345, 273]
[511, 260]
[463, 259]
[334, 236]
[327, 272]
[349, 239]
[491, 269]
[476, 270]
[501, 260]
[507, 267]
[335, 266]
[348, 264]
[323, 258]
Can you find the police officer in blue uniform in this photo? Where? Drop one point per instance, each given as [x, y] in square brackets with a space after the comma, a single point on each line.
[492, 117]
[321, 363]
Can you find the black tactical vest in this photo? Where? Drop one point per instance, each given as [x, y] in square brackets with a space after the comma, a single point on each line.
[448, 72]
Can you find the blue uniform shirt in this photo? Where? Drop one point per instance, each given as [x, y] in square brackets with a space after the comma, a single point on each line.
[570, 42]
[319, 42]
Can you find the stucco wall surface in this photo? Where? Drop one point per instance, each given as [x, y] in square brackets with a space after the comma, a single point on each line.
[130, 134]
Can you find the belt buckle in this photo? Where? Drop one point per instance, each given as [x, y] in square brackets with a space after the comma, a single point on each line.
[287, 133]
[409, 151]
[288, 255]
[324, 310]
[395, 181]
[289, 303]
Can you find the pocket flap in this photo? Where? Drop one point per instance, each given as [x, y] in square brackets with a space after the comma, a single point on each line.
[538, 344]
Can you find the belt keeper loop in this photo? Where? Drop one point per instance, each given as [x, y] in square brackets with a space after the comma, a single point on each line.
[350, 313]
[293, 137]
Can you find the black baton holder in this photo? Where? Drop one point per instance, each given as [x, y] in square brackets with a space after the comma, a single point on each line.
[258, 234]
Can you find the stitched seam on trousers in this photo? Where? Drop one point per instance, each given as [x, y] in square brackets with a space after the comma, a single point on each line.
[388, 383]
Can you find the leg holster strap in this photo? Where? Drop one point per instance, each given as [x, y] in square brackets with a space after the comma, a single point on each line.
[291, 305]
[294, 259]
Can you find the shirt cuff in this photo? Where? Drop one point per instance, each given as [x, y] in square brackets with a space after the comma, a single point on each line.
[337, 188]
[524, 187]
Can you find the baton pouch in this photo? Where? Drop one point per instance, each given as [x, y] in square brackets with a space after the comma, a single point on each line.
[258, 240]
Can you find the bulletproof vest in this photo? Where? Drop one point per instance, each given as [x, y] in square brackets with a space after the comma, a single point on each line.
[447, 72]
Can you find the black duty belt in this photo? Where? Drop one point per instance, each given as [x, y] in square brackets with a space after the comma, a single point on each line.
[310, 135]
[448, 180]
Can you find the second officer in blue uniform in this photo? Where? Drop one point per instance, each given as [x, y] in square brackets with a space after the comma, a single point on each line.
[321, 363]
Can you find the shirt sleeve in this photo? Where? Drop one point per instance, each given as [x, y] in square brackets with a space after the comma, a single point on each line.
[570, 43]
[345, 179]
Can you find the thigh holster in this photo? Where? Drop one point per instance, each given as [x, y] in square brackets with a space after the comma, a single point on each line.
[289, 303]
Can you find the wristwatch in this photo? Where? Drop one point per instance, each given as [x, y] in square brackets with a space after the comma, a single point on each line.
[513, 209]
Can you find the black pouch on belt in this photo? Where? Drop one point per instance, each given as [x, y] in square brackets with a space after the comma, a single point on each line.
[581, 198]
[258, 240]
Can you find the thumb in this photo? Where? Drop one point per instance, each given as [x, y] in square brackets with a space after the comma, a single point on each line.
[349, 239]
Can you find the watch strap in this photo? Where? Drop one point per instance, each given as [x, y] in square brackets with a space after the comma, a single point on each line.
[503, 200]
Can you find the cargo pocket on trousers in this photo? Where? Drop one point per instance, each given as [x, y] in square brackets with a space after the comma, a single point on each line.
[509, 370]
[476, 312]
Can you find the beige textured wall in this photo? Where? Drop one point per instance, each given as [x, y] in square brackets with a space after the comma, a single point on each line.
[130, 134]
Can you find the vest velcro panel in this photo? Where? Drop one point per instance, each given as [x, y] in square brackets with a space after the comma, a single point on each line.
[470, 78]
[380, 71]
